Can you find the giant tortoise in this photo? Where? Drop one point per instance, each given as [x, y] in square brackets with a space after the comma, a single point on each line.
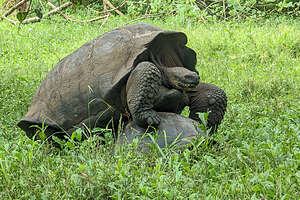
[173, 129]
[128, 73]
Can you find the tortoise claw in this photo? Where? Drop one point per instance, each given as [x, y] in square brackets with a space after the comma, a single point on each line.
[153, 119]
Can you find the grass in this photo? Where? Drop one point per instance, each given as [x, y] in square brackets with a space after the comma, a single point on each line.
[256, 63]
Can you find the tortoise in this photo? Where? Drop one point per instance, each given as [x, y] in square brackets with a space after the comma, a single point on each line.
[128, 73]
[173, 129]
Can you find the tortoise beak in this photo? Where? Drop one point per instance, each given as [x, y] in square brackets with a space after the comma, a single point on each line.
[191, 80]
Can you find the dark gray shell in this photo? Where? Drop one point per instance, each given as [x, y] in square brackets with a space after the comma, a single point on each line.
[178, 130]
[85, 86]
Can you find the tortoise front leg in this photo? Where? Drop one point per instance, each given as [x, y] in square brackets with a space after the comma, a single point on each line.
[170, 100]
[142, 89]
[208, 98]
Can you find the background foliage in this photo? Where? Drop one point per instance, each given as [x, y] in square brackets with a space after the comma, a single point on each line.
[215, 9]
[196, 10]
[219, 8]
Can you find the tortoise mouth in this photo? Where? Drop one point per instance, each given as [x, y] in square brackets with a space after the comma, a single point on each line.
[190, 80]
[187, 85]
[182, 78]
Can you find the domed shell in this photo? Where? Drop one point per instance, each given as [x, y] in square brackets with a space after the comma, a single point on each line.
[85, 86]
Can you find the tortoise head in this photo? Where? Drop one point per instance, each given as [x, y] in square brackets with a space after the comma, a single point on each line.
[180, 78]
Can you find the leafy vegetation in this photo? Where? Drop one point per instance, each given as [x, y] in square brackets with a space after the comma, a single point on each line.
[191, 10]
[203, 9]
[257, 64]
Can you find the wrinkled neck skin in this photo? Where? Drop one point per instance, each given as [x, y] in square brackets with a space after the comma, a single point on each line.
[190, 59]
[166, 57]
[170, 55]
[165, 79]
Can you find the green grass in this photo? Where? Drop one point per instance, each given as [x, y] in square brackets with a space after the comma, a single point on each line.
[256, 63]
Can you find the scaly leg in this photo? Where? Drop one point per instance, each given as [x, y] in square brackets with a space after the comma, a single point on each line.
[208, 98]
[141, 90]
